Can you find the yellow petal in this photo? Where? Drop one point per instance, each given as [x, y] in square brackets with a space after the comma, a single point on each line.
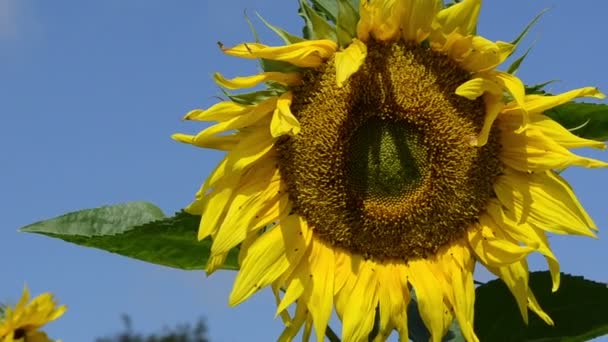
[283, 122]
[550, 129]
[516, 277]
[359, 312]
[349, 61]
[215, 262]
[528, 234]
[379, 18]
[534, 306]
[253, 193]
[460, 267]
[541, 103]
[289, 78]
[511, 84]
[249, 117]
[320, 303]
[266, 259]
[292, 329]
[307, 54]
[475, 87]
[530, 150]
[222, 111]
[485, 55]
[223, 143]
[429, 295]
[461, 17]
[418, 18]
[494, 105]
[544, 200]
[491, 246]
[245, 155]
[395, 283]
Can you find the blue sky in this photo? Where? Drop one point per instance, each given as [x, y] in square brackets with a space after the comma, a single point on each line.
[90, 92]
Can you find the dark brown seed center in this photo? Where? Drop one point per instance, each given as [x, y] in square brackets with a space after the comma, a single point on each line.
[383, 165]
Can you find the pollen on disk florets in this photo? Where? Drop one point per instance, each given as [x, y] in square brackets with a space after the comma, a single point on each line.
[383, 166]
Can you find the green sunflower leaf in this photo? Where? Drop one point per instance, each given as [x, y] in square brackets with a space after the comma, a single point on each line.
[579, 309]
[586, 120]
[517, 63]
[137, 230]
[537, 89]
[346, 26]
[316, 27]
[326, 8]
[253, 97]
[287, 37]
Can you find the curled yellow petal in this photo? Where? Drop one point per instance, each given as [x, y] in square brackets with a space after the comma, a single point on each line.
[485, 55]
[545, 200]
[475, 87]
[461, 17]
[307, 54]
[494, 106]
[552, 130]
[283, 122]
[266, 260]
[287, 78]
[418, 17]
[380, 18]
[222, 111]
[349, 61]
[541, 103]
[531, 150]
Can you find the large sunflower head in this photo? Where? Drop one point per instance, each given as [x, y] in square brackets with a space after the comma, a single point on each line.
[389, 156]
[22, 323]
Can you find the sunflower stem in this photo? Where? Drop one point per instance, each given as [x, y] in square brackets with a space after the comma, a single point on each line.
[331, 335]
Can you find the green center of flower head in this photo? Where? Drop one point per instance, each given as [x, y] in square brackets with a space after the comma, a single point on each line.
[383, 166]
[385, 159]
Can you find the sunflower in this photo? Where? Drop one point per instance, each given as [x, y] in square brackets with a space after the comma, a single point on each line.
[22, 323]
[386, 155]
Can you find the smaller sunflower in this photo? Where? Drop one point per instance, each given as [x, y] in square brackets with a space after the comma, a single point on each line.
[23, 322]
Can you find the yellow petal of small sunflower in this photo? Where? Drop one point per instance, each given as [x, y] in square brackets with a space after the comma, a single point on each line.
[28, 317]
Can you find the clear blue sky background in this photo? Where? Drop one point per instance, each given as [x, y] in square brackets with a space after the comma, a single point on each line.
[90, 92]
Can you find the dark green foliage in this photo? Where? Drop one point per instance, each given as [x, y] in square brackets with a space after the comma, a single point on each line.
[137, 230]
[180, 333]
[579, 309]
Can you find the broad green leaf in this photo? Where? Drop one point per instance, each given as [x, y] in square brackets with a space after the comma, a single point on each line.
[579, 309]
[326, 8]
[587, 120]
[316, 26]
[346, 26]
[138, 230]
